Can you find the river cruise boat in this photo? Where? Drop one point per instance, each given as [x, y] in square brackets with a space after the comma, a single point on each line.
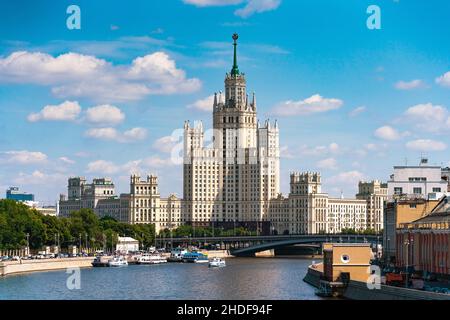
[101, 261]
[195, 257]
[119, 261]
[148, 258]
[217, 263]
[176, 255]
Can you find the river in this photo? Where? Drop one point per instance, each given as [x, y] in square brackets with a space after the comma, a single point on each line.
[242, 278]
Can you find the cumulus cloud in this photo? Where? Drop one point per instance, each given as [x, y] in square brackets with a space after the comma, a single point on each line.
[165, 144]
[66, 111]
[444, 80]
[66, 160]
[112, 134]
[205, 104]
[102, 167]
[332, 148]
[311, 105]
[77, 75]
[426, 145]
[23, 157]
[387, 133]
[38, 177]
[429, 117]
[410, 85]
[347, 178]
[329, 163]
[104, 114]
[134, 166]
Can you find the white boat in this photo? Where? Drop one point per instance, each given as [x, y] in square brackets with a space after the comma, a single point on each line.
[118, 262]
[151, 259]
[176, 255]
[217, 262]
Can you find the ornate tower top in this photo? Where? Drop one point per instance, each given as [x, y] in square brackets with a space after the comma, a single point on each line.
[235, 69]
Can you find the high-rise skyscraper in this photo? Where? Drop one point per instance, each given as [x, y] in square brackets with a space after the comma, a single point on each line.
[235, 177]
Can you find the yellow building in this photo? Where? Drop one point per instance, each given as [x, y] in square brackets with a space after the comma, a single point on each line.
[399, 212]
[346, 260]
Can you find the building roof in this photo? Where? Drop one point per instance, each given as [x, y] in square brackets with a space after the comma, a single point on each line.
[127, 239]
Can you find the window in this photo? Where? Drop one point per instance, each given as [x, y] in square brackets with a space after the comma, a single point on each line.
[345, 258]
[413, 206]
[436, 189]
[398, 190]
[417, 190]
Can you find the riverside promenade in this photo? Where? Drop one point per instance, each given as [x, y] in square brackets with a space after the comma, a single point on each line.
[14, 267]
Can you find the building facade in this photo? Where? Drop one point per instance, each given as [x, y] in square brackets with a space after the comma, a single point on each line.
[375, 193]
[234, 178]
[419, 181]
[307, 210]
[424, 244]
[13, 193]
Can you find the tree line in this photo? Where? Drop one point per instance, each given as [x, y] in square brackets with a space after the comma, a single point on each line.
[21, 225]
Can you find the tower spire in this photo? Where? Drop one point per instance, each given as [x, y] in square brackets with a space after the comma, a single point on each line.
[235, 69]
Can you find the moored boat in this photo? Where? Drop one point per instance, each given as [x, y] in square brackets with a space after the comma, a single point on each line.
[100, 261]
[176, 255]
[195, 257]
[118, 261]
[151, 259]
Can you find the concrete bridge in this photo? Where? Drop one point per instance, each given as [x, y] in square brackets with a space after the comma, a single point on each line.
[250, 245]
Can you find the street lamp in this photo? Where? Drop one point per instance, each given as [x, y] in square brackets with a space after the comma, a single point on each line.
[28, 244]
[407, 257]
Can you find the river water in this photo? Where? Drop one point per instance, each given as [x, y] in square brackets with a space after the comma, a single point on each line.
[242, 278]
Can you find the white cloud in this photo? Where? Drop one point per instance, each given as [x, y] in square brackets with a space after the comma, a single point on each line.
[444, 80]
[66, 111]
[329, 163]
[38, 177]
[103, 133]
[426, 145]
[251, 6]
[104, 114]
[66, 160]
[410, 85]
[387, 133]
[257, 6]
[112, 134]
[212, 3]
[102, 167]
[332, 148]
[134, 134]
[165, 144]
[347, 178]
[429, 117]
[78, 75]
[23, 157]
[357, 111]
[313, 104]
[205, 104]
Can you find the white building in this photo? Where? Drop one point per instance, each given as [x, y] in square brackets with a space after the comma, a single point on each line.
[127, 244]
[417, 181]
[235, 177]
[307, 210]
[375, 193]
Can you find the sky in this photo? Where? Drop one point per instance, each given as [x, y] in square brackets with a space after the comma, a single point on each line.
[110, 98]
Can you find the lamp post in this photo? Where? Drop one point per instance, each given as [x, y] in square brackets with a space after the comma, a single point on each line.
[407, 257]
[79, 238]
[28, 244]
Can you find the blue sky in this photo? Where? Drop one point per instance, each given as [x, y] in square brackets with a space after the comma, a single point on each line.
[105, 100]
